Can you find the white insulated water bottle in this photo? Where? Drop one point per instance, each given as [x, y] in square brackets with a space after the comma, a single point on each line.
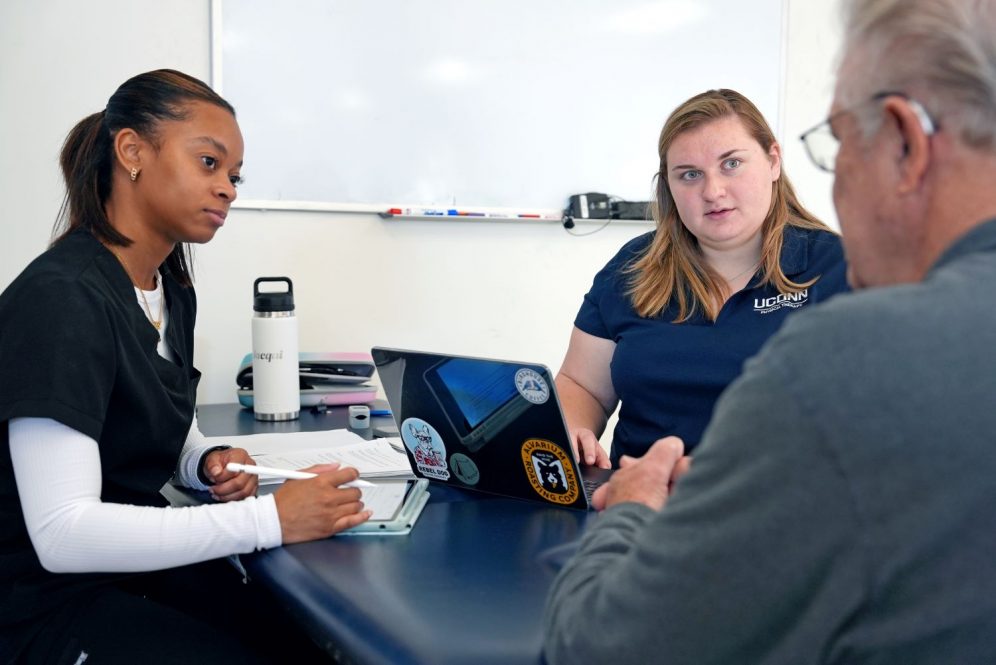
[275, 384]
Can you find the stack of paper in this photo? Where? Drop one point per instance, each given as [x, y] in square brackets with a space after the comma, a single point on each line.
[374, 459]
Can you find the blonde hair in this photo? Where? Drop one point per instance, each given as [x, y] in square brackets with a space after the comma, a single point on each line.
[673, 267]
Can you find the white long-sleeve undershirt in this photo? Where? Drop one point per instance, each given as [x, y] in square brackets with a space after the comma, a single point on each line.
[58, 476]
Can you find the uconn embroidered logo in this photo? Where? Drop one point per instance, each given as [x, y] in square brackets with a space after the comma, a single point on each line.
[774, 303]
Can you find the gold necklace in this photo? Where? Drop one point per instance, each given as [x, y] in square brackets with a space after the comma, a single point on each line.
[752, 269]
[157, 323]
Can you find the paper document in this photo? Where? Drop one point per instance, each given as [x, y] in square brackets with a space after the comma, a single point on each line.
[373, 459]
[395, 442]
[376, 459]
[262, 444]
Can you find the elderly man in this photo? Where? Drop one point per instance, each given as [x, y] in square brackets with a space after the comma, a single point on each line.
[842, 505]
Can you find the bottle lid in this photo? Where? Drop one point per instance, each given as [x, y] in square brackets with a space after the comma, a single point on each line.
[272, 301]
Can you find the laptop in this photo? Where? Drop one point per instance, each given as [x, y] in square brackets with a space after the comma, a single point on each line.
[489, 425]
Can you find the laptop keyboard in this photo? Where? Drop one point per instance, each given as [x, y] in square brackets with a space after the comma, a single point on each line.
[592, 478]
[590, 486]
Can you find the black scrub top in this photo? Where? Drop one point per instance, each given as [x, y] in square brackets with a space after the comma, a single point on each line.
[76, 348]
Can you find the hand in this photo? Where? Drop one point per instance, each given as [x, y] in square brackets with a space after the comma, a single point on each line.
[648, 479]
[229, 485]
[680, 468]
[317, 507]
[592, 451]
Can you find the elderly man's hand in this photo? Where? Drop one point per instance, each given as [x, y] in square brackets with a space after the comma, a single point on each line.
[648, 479]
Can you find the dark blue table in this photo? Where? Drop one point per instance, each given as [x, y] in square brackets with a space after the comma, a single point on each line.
[467, 585]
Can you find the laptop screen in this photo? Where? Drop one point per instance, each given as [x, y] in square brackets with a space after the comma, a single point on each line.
[478, 388]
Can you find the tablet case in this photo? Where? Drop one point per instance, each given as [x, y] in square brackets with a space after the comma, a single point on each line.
[401, 525]
[405, 519]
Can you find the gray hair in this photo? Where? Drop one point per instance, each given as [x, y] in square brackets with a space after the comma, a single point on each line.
[942, 52]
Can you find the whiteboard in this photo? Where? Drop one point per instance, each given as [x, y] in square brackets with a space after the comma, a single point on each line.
[482, 103]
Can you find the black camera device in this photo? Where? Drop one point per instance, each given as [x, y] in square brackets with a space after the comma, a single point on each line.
[594, 205]
[589, 206]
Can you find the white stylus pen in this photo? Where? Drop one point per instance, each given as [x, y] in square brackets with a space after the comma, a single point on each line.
[285, 473]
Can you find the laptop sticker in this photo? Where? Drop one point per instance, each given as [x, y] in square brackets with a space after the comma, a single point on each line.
[532, 386]
[427, 446]
[549, 471]
[464, 469]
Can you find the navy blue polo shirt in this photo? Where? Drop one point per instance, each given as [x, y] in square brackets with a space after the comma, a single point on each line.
[668, 375]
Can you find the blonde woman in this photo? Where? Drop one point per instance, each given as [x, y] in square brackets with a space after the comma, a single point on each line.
[670, 320]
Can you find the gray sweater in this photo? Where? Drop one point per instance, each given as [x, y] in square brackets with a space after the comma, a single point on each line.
[840, 509]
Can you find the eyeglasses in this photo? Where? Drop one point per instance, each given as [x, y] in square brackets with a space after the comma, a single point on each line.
[822, 146]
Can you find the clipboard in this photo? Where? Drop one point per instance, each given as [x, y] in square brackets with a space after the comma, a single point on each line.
[403, 520]
[399, 524]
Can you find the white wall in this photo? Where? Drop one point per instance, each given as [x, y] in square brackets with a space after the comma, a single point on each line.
[487, 288]
[812, 44]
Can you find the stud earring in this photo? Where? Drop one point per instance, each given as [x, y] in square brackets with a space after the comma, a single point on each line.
[134, 174]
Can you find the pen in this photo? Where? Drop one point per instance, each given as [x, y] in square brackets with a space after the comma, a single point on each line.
[285, 473]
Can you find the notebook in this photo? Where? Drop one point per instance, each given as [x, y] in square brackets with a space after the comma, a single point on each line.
[488, 425]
